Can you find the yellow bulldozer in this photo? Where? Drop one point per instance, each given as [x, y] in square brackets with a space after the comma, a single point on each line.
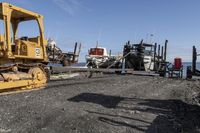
[23, 60]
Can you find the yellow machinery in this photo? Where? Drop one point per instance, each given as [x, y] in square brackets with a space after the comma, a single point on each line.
[22, 60]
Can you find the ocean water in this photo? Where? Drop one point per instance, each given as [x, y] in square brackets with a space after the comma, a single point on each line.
[185, 64]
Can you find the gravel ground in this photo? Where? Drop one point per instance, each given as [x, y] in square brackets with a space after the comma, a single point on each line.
[105, 104]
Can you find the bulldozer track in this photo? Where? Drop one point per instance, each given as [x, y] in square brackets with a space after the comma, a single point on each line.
[19, 90]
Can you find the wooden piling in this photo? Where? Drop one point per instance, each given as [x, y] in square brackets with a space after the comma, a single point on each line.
[162, 54]
[159, 51]
[154, 57]
[75, 49]
[165, 51]
[194, 59]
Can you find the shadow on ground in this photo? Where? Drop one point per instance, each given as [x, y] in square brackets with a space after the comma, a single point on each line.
[103, 100]
[173, 116]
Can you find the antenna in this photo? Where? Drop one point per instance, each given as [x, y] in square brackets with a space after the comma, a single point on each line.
[97, 44]
[147, 36]
[151, 38]
[99, 35]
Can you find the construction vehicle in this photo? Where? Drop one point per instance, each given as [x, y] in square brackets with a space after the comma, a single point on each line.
[23, 60]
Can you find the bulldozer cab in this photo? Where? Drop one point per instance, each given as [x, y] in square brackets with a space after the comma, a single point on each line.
[22, 49]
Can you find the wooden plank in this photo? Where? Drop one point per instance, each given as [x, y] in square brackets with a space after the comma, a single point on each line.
[57, 70]
[82, 69]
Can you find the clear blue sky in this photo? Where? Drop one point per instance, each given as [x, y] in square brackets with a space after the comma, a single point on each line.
[113, 22]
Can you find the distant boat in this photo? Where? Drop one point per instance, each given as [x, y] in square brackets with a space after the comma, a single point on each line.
[98, 57]
[140, 56]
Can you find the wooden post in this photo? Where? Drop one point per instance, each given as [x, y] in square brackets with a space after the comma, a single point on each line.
[165, 56]
[165, 51]
[154, 58]
[74, 56]
[194, 59]
[162, 54]
[110, 53]
[158, 51]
